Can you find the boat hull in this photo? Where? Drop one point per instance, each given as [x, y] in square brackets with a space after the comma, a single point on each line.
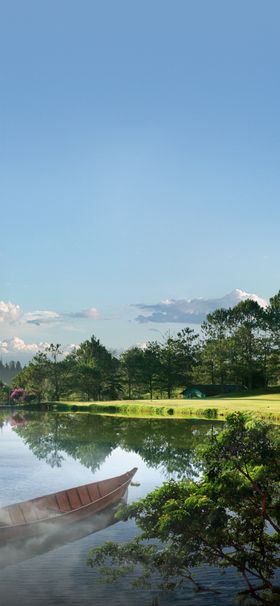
[114, 490]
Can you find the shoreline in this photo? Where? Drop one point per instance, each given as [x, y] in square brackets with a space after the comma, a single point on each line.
[263, 407]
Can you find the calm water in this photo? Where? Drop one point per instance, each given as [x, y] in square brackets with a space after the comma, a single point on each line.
[46, 452]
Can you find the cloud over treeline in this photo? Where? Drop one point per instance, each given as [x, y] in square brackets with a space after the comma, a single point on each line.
[15, 346]
[192, 311]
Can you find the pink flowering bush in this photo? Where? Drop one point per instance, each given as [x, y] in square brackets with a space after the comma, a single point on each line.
[19, 394]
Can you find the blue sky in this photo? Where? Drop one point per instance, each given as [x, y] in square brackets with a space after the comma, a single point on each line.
[139, 159]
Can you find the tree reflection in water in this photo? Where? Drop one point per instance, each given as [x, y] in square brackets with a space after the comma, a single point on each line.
[167, 444]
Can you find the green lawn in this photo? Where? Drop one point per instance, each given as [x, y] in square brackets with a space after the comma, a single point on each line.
[264, 405]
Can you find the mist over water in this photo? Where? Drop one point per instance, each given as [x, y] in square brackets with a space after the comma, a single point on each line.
[51, 452]
[53, 537]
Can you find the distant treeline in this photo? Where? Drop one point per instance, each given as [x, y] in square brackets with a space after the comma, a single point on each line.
[9, 370]
[238, 346]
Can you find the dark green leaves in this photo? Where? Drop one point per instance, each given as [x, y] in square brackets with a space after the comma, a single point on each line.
[229, 518]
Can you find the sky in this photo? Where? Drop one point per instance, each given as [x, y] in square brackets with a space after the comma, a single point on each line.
[139, 162]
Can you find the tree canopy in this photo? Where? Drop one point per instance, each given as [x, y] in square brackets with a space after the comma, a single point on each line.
[230, 517]
[238, 346]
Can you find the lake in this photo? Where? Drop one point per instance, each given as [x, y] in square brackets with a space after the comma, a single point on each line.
[42, 453]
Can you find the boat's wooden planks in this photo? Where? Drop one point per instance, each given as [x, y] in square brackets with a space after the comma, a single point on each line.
[74, 498]
[47, 505]
[30, 512]
[107, 486]
[63, 502]
[16, 515]
[84, 495]
[25, 513]
[94, 492]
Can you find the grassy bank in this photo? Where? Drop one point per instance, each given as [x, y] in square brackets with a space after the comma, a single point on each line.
[264, 405]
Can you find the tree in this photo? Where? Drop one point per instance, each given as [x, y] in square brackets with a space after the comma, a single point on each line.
[97, 370]
[55, 351]
[35, 377]
[177, 356]
[132, 364]
[237, 346]
[168, 365]
[272, 319]
[229, 518]
[4, 393]
[215, 350]
[151, 366]
[246, 324]
[187, 354]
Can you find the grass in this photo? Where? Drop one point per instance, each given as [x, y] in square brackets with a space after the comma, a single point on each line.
[266, 406]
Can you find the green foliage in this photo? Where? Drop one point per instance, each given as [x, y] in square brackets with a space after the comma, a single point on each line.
[95, 371]
[240, 346]
[178, 355]
[132, 365]
[4, 393]
[211, 413]
[229, 518]
[54, 350]
[35, 377]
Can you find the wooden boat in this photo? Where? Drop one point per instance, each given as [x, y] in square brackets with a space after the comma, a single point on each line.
[43, 514]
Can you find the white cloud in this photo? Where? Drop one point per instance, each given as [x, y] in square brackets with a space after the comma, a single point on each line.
[18, 348]
[52, 317]
[85, 313]
[192, 311]
[42, 317]
[241, 295]
[68, 349]
[16, 345]
[9, 312]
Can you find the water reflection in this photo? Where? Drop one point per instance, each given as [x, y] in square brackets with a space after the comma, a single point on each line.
[45, 452]
[166, 444]
[15, 551]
